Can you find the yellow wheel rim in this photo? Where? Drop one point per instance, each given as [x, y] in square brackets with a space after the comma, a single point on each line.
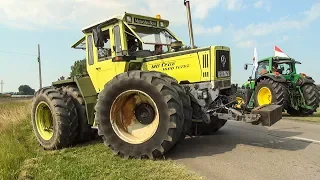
[134, 116]
[44, 121]
[264, 96]
[240, 102]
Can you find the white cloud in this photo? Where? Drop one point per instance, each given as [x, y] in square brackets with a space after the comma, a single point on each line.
[258, 4]
[246, 44]
[254, 30]
[198, 29]
[35, 14]
[201, 7]
[234, 4]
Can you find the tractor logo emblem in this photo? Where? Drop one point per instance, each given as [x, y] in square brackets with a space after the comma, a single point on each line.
[223, 60]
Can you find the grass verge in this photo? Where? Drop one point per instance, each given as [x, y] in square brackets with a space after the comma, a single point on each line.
[23, 158]
[314, 118]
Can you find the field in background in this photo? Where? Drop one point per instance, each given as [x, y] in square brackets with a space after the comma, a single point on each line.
[314, 118]
[23, 158]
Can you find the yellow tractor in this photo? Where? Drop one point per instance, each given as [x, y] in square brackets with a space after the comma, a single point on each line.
[142, 92]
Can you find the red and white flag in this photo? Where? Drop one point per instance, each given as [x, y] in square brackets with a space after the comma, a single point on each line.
[279, 52]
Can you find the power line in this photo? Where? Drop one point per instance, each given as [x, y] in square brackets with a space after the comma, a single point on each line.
[17, 53]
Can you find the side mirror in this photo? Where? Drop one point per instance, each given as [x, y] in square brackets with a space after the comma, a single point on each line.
[245, 66]
[97, 37]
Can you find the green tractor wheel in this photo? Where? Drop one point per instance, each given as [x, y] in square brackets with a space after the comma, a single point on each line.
[312, 99]
[54, 118]
[242, 96]
[139, 115]
[269, 91]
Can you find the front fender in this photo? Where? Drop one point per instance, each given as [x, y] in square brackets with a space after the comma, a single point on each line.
[273, 77]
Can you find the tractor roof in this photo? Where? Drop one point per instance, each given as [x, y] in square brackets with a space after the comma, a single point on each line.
[279, 59]
[129, 18]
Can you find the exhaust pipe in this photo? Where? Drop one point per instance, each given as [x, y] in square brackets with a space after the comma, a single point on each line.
[187, 4]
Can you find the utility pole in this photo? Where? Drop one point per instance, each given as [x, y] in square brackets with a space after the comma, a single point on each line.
[1, 86]
[40, 78]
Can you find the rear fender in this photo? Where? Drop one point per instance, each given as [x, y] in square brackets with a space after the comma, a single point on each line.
[273, 77]
[305, 80]
[86, 88]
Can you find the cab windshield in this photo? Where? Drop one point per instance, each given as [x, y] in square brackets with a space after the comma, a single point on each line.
[153, 35]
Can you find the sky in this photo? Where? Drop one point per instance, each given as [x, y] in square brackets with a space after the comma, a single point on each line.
[242, 25]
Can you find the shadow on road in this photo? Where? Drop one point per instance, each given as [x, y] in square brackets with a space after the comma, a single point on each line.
[229, 137]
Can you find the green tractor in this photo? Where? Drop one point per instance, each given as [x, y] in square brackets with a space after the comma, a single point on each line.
[276, 81]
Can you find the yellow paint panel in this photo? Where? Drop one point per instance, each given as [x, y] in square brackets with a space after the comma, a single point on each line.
[183, 68]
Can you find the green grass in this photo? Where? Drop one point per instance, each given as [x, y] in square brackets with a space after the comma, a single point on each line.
[23, 158]
[314, 118]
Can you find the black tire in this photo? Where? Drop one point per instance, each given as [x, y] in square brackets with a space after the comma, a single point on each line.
[200, 127]
[61, 108]
[187, 109]
[185, 98]
[279, 92]
[293, 112]
[85, 133]
[169, 106]
[311, 96]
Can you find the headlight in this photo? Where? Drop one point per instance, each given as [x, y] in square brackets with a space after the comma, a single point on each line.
[202, 94]
[129, 19]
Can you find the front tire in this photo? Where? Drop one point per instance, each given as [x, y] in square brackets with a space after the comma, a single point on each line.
[54, 118]
[269, 91]
[139, 115]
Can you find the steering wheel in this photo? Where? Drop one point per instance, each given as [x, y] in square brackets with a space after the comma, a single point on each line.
[288, 71]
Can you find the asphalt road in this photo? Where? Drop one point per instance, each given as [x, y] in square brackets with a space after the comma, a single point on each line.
[287, 150]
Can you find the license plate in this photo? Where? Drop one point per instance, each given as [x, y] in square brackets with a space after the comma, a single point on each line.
[223, 73]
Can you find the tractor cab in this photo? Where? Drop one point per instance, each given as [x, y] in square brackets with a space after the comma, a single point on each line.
[126, 40]
[279, 66]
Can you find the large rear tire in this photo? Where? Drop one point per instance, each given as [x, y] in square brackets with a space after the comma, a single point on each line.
[139, 115]
[311, 96]
[54, 118]
[85, 133]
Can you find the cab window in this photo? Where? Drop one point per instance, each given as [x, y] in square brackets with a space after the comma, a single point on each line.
[117, 40]
[284, 68]
[90, 50]
[105, 52]
[262, 68]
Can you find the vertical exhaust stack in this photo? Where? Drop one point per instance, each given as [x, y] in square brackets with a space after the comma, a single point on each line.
[187, 4]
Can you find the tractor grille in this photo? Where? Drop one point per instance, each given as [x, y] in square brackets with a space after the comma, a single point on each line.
[222, 63]
[205, 65]
[222, 84]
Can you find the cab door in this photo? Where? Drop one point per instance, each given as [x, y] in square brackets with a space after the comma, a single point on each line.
[106, 69]
[91, 61]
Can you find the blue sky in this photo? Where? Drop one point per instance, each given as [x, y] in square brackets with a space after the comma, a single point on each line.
[294, 26]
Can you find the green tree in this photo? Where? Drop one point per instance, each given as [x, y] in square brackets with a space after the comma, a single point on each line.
[25, 90]
[78, 68]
